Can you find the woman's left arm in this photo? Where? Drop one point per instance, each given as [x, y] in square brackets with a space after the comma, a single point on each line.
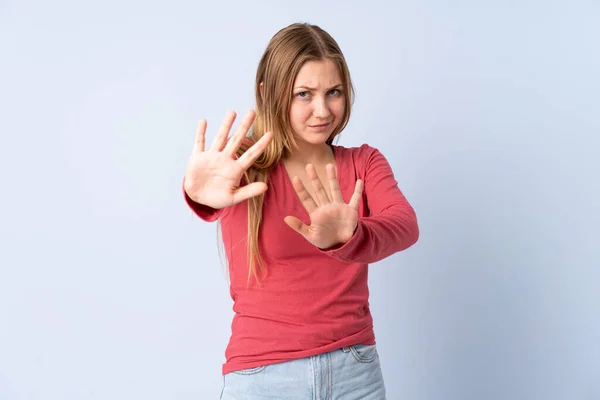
[391, 225]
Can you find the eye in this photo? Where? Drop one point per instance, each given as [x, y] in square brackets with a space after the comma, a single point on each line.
[302, 95]
[335, 92]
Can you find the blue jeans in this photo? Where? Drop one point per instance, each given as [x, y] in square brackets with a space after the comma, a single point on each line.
[345, 374]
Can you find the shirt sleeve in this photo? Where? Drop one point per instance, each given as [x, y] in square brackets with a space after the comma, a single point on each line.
[205, 213]
[391, 225]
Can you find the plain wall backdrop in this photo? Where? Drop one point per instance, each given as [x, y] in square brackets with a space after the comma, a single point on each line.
[488, 112]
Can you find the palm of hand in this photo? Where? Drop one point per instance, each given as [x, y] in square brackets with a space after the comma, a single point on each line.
[217, 174]
[332, 221]
[331, 224]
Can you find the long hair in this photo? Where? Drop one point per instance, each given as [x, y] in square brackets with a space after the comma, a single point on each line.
[287, 51]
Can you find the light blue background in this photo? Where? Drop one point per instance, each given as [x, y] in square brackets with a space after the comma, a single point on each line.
[488, 112]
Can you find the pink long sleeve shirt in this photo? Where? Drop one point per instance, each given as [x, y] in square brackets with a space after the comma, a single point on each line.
[312, 301]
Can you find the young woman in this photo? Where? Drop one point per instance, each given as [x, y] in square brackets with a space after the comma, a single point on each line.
[301, 220]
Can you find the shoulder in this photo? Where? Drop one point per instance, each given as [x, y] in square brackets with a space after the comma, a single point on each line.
[361, 156]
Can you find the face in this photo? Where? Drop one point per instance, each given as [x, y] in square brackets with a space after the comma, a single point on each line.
[318, 102]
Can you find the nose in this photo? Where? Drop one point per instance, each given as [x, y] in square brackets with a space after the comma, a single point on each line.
[321, 108]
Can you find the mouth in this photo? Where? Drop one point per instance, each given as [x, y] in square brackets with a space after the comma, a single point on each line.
[320, 125]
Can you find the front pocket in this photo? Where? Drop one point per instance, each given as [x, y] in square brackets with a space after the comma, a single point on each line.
[364, 353]
[250, 371]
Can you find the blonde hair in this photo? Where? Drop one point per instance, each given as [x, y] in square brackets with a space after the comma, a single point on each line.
[287, 51]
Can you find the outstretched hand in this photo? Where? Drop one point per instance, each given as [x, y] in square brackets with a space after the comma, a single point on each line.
[332, 221]
[213, 176]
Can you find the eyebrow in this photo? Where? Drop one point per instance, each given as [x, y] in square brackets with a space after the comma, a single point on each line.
[310, 88]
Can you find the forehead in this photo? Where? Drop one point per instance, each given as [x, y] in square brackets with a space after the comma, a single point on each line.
[317, 73]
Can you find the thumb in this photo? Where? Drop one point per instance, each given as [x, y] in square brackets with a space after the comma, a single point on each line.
[248, 191]
[296, 225]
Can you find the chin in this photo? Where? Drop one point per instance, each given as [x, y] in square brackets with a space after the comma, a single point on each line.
[314, 139]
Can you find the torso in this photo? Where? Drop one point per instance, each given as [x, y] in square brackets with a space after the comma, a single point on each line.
[310, 302]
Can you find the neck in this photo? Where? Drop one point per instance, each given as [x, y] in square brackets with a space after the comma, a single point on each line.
[310, 154]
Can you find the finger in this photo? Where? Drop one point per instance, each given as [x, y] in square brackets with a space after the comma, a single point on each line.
[306, 199]
[250, 155]
[240, 133]
[221, 137]
[248, 191]
[334, 185]
[200, 132]
[297, 225]
[320, 191]
[357, 195]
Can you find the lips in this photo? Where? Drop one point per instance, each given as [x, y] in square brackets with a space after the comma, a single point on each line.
[320, 125]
